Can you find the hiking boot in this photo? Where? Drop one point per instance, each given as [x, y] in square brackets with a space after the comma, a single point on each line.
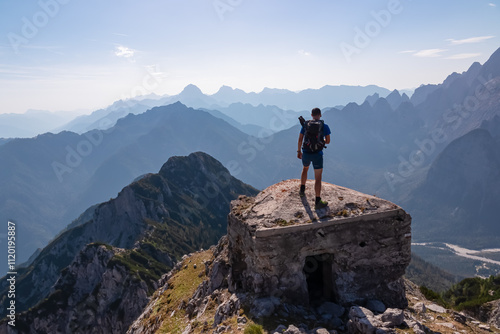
[320, 205]
[302, 193]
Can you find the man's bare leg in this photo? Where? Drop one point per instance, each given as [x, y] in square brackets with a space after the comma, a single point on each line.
[318, 173]
[303, 176]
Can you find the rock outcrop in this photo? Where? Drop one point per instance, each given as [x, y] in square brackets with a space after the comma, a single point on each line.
[494, 314]
[97, 293]
[354, 250]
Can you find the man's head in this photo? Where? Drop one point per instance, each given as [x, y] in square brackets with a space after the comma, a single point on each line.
[316, 113]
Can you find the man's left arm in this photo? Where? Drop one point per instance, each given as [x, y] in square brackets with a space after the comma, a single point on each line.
[327, 134]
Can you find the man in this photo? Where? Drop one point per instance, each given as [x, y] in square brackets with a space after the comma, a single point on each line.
[310, 154]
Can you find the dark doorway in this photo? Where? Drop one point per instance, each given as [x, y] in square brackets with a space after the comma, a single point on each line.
[319, 276]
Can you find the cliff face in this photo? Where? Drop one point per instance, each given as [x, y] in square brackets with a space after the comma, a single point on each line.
[98, 293]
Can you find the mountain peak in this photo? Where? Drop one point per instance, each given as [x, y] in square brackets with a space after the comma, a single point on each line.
[268, 90]
[225, 89]
[491, 67]
[179, 167]
[191, 90]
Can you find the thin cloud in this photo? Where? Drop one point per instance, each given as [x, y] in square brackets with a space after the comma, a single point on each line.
[408, 51]
[428, 53]
[491, 4]
[304, 53]
[468, 40]
[156, 72]
[123, 51]
[464, 56]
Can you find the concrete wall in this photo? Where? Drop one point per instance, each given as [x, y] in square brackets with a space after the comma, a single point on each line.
[359, 258]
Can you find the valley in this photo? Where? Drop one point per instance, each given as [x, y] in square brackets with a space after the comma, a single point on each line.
[460, 261]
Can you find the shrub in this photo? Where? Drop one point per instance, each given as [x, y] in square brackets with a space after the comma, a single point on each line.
[253, 329]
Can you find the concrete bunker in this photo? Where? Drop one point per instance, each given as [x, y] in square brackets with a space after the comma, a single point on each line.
[356, 249]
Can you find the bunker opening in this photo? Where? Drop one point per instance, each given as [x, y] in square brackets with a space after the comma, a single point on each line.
[318, 270]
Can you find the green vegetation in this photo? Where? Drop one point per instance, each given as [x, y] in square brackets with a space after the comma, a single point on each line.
[141, 266]
[468, 295]
[433, 296]
[282, 222]
[170, 305]
[253, 329]
[343, 213]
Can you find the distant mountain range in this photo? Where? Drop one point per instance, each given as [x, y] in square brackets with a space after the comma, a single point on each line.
[384, 146]
[31, 123]
[226, 98]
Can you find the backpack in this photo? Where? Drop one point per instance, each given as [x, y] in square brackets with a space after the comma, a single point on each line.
[313, 137]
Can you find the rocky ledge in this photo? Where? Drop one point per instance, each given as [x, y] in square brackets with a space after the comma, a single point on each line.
[280, 206]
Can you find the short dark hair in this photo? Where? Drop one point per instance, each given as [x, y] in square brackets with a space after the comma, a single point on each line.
[316, 111]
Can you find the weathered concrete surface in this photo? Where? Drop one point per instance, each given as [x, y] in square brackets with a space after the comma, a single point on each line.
[354, 250]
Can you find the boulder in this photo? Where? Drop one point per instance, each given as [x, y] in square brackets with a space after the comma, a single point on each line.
[375, 306]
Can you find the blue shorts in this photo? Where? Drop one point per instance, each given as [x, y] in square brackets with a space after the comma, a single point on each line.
[315, 158]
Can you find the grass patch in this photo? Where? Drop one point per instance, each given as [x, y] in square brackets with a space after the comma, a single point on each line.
[181, 286]
[283, 222]
[141, 266]
[342, 213]
[254, 329]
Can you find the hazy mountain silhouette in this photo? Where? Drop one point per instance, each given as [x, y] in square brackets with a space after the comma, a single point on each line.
[31, 123]
[326, 96]
[395, 99]
[52, 178]
[270, 118]
[230, 101]
[459, 199]
[103, 119]
[251, 129]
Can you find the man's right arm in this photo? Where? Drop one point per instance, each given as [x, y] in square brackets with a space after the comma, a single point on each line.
[299, 152]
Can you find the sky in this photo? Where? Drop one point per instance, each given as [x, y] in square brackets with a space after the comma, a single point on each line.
[66, 55]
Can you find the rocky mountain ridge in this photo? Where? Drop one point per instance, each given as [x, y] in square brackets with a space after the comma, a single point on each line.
[155, 220]
[208, 306]
[215, 302]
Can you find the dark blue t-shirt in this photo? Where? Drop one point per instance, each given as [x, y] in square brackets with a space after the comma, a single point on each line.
[326, 132]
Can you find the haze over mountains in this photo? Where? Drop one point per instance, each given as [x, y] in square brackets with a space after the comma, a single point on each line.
[396, 147]
[192, 96]
[31, 123]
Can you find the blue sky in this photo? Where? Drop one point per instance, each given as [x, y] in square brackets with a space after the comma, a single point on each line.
[74, 54]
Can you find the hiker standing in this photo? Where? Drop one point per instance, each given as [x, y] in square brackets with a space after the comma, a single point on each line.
[313, 137]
